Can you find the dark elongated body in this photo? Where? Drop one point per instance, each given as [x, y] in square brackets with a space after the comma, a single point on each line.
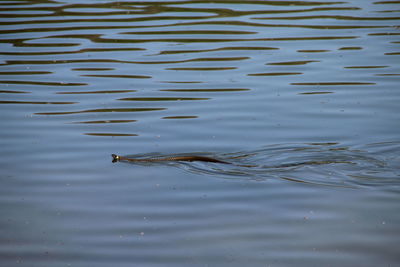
[172, 158]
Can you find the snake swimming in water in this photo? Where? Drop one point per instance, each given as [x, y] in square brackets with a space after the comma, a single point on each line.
[172, 158]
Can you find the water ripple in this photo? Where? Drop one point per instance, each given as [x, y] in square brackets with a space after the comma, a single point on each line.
[117, 46]
[328, 164]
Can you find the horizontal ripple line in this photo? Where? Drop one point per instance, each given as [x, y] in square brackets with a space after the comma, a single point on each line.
[97, 38]
[70, 61]
[222, 40]
[100, 110]
[207, 90]
[110, 134]
[162, 98]
[336, 17]
[13, 92]
[179, 117]
[290, 63]
[188, 32]
[163, 7]
[117, 76]
[105, 121]
[253, 24]
[86, 50]
[229, 48]
[97, 92]
[105, 20]
[365, 67]
[44, 83]
[315, 93]
[215, 13]
[334, 83]
[25, 72]
[36, 102]
[203, 69]
[274, 74]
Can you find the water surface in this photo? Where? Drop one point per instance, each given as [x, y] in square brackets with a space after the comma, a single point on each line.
[300, 96]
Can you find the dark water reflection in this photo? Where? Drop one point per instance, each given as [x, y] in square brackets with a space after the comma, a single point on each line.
[296, 94]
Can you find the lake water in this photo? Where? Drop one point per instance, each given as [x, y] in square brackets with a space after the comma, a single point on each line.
[300, 97]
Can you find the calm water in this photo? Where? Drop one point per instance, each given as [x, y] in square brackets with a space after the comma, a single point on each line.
[301, 97]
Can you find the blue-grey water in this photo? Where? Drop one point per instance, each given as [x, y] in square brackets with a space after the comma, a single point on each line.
[301, 98]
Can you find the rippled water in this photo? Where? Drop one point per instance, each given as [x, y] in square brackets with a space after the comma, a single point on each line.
[301, 97]
[317, 164]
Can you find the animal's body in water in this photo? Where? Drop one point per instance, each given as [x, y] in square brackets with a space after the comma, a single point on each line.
[171, 158]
